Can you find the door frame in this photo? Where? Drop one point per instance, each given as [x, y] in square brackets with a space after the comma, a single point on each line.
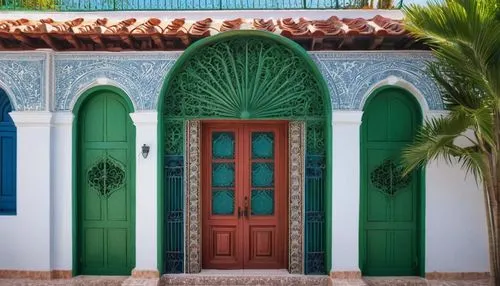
[295, 202]
[421, 185]
[75, 170]
[282, 159]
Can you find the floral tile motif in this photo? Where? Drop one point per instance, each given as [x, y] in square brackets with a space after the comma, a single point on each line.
[193, 197]
[296, 197]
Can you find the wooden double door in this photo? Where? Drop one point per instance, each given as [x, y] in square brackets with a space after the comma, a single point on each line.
[244, 197]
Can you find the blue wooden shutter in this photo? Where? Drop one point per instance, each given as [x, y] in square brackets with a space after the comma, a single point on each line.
[7, 158]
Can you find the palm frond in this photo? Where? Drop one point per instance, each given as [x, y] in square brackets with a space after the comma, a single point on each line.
[435, 139]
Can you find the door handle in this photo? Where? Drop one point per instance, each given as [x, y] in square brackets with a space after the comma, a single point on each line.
[245, 212]
[239, 212]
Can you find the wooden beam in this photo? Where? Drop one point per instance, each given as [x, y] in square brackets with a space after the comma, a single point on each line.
[159, 42]
[50, 42]
[74, 41]
[25, 40]
[97, 39]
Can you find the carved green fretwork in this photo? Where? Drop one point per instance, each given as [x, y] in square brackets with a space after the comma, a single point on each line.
[106, 176]
[388, 178]
[245, 78]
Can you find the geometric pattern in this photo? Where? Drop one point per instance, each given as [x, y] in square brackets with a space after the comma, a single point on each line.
[262, 202]
[223, 202]
[262, 145]
[262, 175]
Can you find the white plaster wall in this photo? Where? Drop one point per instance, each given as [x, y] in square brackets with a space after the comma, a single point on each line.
[146, 190]
[456, 234]
[346, 186]
[25, 238]
[62, 196]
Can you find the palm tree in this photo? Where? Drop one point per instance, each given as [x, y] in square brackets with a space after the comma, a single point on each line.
[464, 36]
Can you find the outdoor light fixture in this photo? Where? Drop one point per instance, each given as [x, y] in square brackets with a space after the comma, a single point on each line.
[145, 151]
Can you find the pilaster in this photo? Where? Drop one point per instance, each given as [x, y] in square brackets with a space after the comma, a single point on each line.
[146, 124]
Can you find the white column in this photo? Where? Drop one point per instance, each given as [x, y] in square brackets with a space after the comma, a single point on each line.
[346, 192]
[30, 248]
[146, 124]
[62, 190]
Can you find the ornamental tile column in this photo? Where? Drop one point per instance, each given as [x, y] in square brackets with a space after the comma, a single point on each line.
[346, 194]
[146, 223]
[33, 218]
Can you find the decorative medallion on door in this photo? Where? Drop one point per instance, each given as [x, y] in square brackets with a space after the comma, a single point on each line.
[244, 190]
[106, 176]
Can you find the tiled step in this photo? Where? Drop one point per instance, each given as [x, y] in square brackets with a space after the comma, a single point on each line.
[244, 277]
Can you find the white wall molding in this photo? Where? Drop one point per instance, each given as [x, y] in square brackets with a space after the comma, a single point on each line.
[345, 193]
[146, 124]
[62, 190]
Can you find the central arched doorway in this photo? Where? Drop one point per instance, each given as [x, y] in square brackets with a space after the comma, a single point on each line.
[252, 93]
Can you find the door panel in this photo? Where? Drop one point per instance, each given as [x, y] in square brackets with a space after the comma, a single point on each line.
[7, 157]
[389, 202]
[244, 193]
[105, 189]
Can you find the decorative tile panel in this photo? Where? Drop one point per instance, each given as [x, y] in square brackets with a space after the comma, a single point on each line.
[193, 197]
[23, 76]
[350, 75]
[139, 75]
[296, 197]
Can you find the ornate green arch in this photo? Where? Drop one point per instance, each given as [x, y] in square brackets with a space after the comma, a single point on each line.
[247, 75]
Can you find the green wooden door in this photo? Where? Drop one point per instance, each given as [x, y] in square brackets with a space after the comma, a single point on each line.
[105, 186]
[389, 217]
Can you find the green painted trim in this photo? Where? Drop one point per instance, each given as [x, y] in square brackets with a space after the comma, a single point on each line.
[421, 187]
[74, 158]
[179, 65]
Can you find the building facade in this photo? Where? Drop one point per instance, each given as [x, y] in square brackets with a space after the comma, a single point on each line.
[239, 144]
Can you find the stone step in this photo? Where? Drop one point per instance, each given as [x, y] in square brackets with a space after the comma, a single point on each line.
[244, 277]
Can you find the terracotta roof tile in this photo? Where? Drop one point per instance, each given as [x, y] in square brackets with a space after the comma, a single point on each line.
[177, 33]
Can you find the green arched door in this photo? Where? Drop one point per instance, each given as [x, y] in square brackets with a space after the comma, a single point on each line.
[105, 186]
[389, 219]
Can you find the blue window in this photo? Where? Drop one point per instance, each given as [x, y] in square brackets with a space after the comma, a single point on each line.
[7, 158]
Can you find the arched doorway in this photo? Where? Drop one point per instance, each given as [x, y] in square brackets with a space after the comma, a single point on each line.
[235, 80]
[7, 158]
[391, 217]
[105, 188]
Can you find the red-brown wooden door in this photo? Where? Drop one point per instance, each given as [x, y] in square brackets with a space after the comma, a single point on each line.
[244, 195]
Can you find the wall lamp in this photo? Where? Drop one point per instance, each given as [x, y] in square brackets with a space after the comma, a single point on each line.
[145, 151]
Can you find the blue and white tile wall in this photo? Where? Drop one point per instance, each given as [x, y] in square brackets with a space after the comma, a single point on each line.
[349, 75]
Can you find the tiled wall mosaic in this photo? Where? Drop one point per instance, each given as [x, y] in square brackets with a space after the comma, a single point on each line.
[23, 77]
[349, 76]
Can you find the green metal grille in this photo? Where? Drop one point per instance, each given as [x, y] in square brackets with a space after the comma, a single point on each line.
[127, 5]
[255, 78]
[174, 196]
[245, 78]
[315, 244]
